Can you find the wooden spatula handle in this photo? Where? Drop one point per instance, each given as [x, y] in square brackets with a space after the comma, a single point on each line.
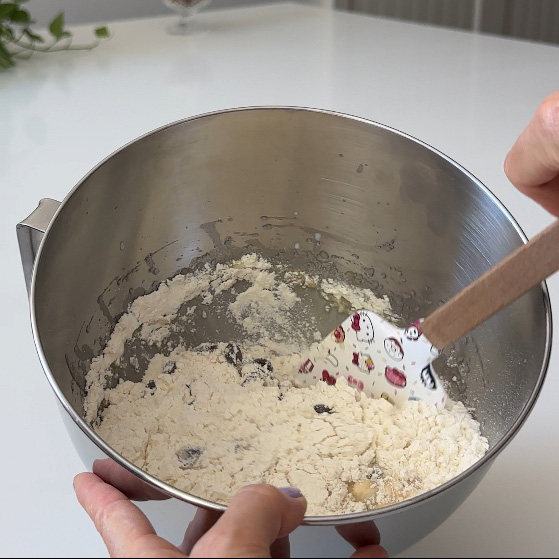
[497, 288]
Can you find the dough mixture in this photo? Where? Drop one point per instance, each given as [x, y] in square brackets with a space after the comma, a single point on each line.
[212, 418]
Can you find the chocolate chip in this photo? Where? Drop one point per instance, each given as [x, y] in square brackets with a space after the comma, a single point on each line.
[169, 367]
[188, 456]
[321, 408]
[375, 473]
[233, 354]
[265, 364]
[151, 384]
[263, 368]
[257, 371]
[250, 377]
[207, 346]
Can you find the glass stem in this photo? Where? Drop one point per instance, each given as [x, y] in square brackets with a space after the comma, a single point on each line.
[183, 20]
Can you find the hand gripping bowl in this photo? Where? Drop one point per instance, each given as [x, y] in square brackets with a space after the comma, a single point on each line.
[328, 193]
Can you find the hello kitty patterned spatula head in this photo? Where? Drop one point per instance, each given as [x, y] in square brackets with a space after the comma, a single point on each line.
[377, 358]
[387, 362]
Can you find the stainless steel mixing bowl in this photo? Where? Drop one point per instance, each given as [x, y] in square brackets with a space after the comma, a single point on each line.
[361, 201]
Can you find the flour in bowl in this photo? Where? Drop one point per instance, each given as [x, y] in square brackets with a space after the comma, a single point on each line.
[212, 418]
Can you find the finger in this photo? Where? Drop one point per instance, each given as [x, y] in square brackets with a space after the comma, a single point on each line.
[360, 534]
[532, 164]
[364, 537]
[281, 548]
[534, 158]
[132, 486]
[546, 195]
[203, 520]
[372, 551]
[124, 528]
[256, 517]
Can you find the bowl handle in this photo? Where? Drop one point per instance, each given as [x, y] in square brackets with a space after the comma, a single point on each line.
[30, 232]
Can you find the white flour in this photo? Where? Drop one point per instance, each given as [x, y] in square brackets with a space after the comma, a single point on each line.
[212, 419]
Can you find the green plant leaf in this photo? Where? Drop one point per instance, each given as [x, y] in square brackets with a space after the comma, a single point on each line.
[7, 9]
[15, 24]
[102, 32]
[33, 36]
[7, 32]
[20, 16]
[6, 60]
[56, 27]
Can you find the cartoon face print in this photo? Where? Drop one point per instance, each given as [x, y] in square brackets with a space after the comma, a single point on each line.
[355, 382]
[394, 349]
[395, 377]
[332, 359]
[428, 378]
[339, 334]
[328, 378]
[413, 332]
[306, 367]
[366, 332]
[363, 362]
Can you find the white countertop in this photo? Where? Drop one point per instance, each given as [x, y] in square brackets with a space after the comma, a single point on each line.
[60, 114]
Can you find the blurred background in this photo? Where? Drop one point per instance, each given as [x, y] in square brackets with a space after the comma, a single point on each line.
[88, 11]
[534, 20]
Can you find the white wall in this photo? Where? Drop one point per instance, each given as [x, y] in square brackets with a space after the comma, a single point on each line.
[88, 11]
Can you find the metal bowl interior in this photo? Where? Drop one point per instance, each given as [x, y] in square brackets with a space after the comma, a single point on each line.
[391, 213]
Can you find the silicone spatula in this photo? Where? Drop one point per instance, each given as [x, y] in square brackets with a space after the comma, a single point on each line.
[385, 361]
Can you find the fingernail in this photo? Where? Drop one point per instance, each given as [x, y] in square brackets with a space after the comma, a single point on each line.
[292, 492]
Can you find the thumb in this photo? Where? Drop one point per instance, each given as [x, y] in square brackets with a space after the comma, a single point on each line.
[532, 164]
[256, 517]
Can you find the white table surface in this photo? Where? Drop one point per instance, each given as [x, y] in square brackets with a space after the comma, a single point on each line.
[60, 114]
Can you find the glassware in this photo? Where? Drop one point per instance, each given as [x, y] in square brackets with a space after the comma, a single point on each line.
[186, 9]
